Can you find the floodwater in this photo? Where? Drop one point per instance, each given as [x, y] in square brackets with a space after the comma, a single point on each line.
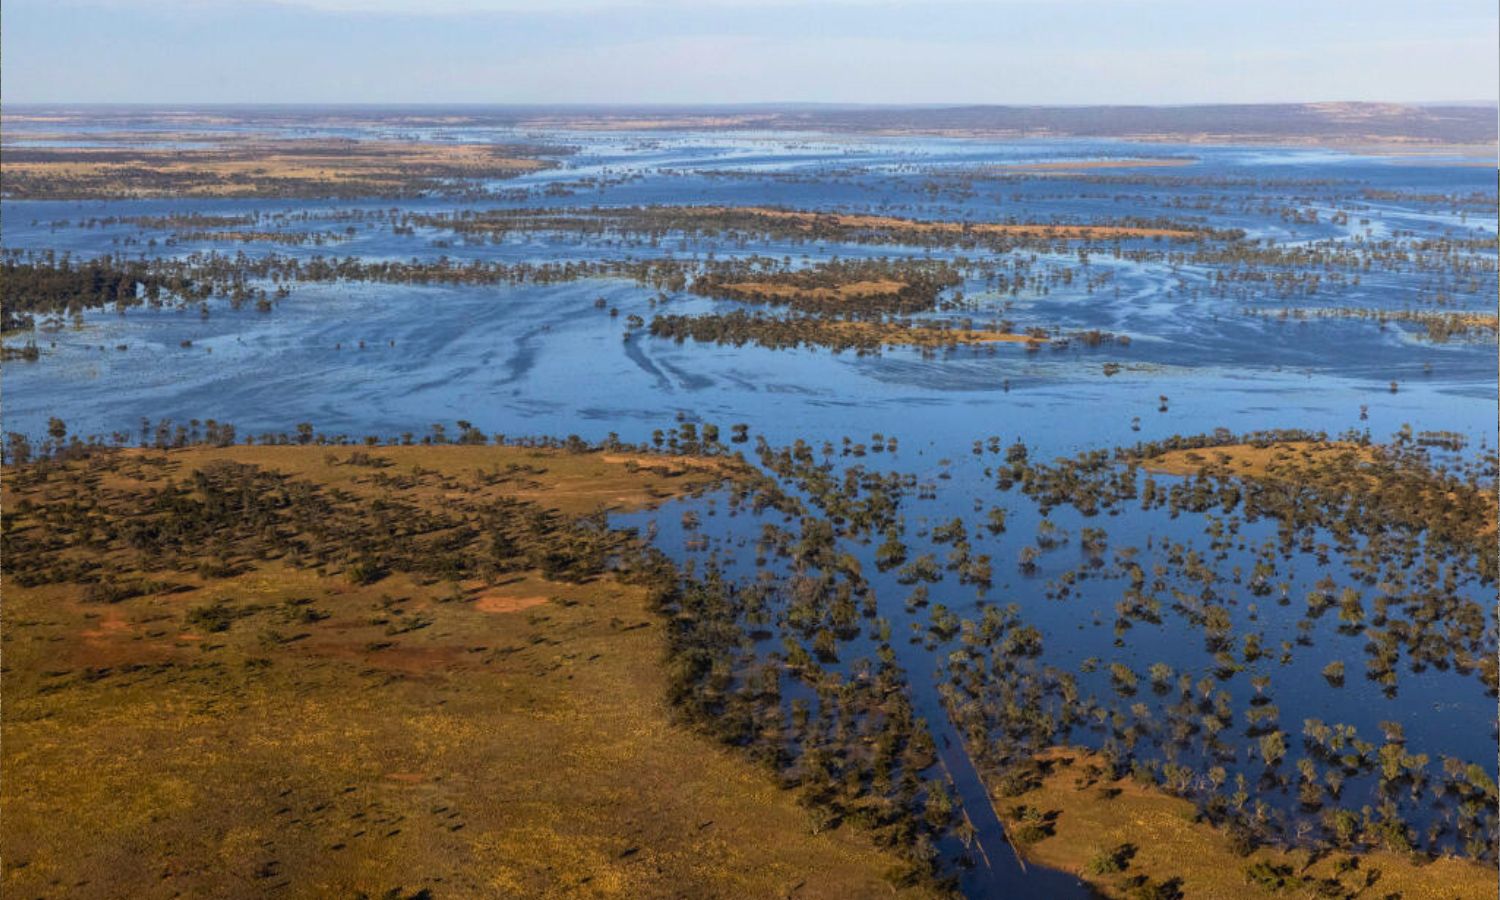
[379, 359]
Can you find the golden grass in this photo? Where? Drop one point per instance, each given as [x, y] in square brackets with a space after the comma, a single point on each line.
[1290, 461]
[645, 123]
[846, 291]
[895, 335]
[1439, 323]
[808, 219]
[1285, 459]
[1169, 844]
[1484, 321]
[254, 167]
[470, 740]
[572, 483]
[1299, 461]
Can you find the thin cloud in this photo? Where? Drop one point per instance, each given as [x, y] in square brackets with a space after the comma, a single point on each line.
[553, 7]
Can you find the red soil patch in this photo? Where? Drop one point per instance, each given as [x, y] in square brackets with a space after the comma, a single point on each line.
[111, 624]
[115, 641]
[498, 603]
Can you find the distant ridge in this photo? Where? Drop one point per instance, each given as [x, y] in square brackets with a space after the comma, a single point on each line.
[1343, 122]
[1309, 123]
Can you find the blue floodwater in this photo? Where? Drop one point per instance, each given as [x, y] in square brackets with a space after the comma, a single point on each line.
[542, 360]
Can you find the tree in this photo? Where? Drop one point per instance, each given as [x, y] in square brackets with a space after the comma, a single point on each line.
[1273, 747]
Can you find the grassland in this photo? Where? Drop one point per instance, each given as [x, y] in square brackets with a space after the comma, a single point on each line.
[1439, 327]
[809, 219]
[848, 291]
[257, 167]
[1282, 459]
[818, 225]
[1344, 468]
[240, 714]
[896, 335]
[738, 328]
[1119, 836]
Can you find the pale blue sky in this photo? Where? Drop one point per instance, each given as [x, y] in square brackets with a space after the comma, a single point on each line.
[691, 51]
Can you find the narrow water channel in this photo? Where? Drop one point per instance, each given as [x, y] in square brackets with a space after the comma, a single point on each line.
[998, 870]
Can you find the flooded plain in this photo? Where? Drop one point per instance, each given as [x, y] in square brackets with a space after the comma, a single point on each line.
[1320, 325]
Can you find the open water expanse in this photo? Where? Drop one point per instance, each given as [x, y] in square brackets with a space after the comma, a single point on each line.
[360, 358]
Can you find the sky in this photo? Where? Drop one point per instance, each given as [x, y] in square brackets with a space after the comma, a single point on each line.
[748, 51]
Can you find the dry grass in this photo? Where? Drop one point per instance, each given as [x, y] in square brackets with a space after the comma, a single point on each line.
[572, 483]
[646, 123]
[808, 219]
[894, 335]
[851, 290]
[1477, 321]
[342, 740]
[1169, 844]
[1285, 460]
[253, 167]
[1326, 462]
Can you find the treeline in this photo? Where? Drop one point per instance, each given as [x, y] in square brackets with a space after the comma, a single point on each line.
[846, 287]
[216, 273]
[63, 286]
[739, 328]
[225, 516]
[57, 444]
[769, 223]
[1438, 327]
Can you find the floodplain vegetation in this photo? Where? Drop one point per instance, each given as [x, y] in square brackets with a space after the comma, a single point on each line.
[261, 166]
[426, 665]
[744, 224]
[389, 671]
[985, 270]
[778, 332]
[1123, 836]
[1326, 810]
[1437, 326]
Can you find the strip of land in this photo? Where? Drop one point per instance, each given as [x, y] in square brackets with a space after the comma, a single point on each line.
[807, 219]
[1393, 479]
[1438, 326]
[1125, 839]
[259, 167]
[891, 334]
[738, 328]
[1282, 459]
[251, 669]
[1355, 125]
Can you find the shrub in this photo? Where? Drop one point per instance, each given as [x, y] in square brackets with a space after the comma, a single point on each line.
[215, 617]
[1112, 860]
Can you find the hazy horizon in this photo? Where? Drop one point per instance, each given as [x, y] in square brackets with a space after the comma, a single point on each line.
[717, 105]
[832, 52]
